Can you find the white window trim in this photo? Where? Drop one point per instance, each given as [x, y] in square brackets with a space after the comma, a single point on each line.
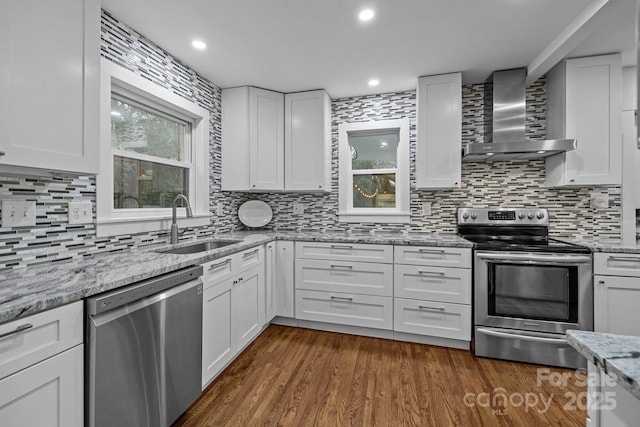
[401, 213]
[126, 221]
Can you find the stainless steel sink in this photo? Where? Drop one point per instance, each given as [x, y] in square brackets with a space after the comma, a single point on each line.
[199, 247]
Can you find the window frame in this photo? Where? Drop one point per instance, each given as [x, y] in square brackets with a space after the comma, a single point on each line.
[347, 213]
[142, 92]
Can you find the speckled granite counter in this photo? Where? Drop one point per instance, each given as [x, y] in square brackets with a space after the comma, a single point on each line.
[30, 290]
[615, 246]
[618, 355]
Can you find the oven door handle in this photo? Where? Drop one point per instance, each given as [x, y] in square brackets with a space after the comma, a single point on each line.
[499, 334]
[530, 258]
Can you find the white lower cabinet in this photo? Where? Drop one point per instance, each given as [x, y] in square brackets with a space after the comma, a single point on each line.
[41, 369]
[279, 286]
[616, 293]
[432, 292]
[233, 312]
[345, 309]
[436, 319]
[47, 394]
[218, 346]
[609, 404]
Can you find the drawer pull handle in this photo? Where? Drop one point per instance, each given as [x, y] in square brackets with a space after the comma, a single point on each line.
[17, 330]
[424, 307]
[248, 254]
[218, 265]
[341, 266]
[430, 251]
[431, 273]
[341, 247]
[342, 298]
[621, 258]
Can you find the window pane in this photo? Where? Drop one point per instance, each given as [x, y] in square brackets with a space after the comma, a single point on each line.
[145, 132]
[374, 150]
[141, 184]
[374, 191]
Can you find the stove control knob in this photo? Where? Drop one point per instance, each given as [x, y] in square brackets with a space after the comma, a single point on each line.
[530, 215]
[521, 215]
[540, 215]
[465, 216]
[474, 215]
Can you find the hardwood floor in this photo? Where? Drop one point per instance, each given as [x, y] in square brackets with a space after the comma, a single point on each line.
[302, 377]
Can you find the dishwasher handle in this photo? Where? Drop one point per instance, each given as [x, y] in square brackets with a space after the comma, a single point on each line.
[123, 296]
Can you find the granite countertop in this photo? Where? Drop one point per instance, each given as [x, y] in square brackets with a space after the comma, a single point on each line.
[30, 290]
[617, 355]
[615, 246]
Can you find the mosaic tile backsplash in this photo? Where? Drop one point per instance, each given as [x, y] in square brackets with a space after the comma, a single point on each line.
[483, 184]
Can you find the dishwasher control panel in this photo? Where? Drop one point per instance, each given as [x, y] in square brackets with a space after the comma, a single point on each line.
[121, 296]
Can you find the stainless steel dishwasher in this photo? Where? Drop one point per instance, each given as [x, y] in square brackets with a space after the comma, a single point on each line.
[144, 352]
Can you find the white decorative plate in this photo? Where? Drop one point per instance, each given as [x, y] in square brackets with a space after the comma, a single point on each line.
[255, 213]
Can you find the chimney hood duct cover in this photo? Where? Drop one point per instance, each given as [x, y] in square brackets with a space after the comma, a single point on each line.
[504, 123]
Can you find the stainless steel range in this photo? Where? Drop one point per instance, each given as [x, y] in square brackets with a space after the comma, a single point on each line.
[529, 289]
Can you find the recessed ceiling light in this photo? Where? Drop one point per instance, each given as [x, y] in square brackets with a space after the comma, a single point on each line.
[541, 152]
[374, 82]
[199, 44]
[366, 14]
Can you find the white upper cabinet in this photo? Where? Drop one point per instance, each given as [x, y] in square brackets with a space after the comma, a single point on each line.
[252, 139]
[584, 102]
[439, 131]
[49, 82]
[275, 142]
[307, 136]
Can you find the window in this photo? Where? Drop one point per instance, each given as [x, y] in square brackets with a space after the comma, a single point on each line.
[154, 146]
[374, 171]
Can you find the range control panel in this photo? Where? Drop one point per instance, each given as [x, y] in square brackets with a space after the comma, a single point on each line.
[503, 216]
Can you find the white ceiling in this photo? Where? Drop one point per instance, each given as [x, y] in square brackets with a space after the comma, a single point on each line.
[294, 45]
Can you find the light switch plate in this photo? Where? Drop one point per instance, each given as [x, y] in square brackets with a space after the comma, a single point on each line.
[298, 208]
[220, 209]
[426, 208]
[18, 213]
[80, 213]
[599, 201]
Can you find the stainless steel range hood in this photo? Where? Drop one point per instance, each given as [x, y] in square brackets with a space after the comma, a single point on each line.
[504, 123]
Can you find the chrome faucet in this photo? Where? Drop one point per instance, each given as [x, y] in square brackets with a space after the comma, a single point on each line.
[174, 224]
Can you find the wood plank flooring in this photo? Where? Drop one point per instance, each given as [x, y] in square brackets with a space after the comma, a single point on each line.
[302, 377]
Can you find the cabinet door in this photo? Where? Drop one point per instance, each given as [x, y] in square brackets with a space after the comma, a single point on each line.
[47, 394]
[439, 131]
[307, 139]
[247, 305]
[266, 140]
[592, 115]
[270, 268]
[218, 346]
[49, 84]
[284, 283]
[616, 302]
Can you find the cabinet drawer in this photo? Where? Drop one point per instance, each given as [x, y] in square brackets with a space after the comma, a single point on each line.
[434, 319]
[39, 336]
[345, 251]
[217, 271]
[435, 256]
[250, 258]
[616, 264]
[340, 276]
[432, 283]
[345, 309]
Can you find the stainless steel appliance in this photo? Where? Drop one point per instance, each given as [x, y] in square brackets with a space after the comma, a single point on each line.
[144, 352]
[529, 289]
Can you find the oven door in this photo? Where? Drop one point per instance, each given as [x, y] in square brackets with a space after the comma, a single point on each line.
[542, 292]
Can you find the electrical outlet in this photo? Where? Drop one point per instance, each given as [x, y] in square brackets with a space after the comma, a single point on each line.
[18, 213]
[80, 213]
[298, 208]
[599, 201]
[219, 209]
[426, 208]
